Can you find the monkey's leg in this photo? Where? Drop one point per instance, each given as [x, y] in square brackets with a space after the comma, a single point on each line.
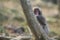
[46, 29]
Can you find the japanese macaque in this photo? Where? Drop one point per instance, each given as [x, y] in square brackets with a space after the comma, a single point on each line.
[41, 19]
[13, 29]
[20, 30]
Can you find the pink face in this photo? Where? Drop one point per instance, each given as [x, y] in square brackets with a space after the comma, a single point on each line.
[36, 12]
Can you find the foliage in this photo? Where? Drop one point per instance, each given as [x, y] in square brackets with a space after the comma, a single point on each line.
[14, 11]
[53, 33]
[20, 19]
[4, 0]
[2, 30]
[4, 10]
[3, 18]
[53, 1]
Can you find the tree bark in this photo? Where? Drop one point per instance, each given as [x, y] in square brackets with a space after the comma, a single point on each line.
[32, 21]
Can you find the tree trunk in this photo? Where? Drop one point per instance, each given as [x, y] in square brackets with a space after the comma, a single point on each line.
[32, 21]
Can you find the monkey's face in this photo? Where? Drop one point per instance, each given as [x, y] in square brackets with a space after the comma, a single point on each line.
[36, 11]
